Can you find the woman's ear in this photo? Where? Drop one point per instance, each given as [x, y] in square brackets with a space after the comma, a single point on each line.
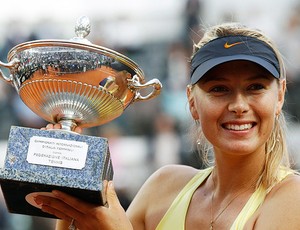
[281, 96]
[191, 101]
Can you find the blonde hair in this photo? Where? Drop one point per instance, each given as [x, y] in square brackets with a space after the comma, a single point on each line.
[276, 151]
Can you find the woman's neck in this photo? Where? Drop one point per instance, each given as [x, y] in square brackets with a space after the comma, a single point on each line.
[233, 173]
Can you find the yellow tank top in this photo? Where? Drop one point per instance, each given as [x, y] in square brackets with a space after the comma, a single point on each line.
[174, 218]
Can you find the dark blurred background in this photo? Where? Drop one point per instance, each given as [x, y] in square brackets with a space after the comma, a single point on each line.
[158, 35]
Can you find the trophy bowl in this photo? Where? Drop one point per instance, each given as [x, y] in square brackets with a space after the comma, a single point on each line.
[74, 82]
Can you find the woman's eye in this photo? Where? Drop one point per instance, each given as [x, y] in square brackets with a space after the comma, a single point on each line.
[218, 89]
[256, 87]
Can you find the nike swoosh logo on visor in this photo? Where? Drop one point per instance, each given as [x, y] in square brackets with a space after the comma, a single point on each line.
[227, 46]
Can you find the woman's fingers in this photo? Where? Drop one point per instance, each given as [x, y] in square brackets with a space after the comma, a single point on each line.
[58, 213]
[63, 211]
[78, 130]
[57, 207]
[63, 205]
[58, 126]
[111, 196]
[51, 126]
[74, 202]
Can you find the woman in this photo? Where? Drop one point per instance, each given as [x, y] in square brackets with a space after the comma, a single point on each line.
[235, 97]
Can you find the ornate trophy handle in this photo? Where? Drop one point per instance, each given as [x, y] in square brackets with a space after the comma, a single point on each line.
[12, 64]
[135, 84]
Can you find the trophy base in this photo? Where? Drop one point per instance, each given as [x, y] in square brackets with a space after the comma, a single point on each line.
[19, 196]
[39, 161]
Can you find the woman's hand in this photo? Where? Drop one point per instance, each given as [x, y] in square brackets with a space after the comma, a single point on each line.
[87, 216]
[58, 126]
[83, 215]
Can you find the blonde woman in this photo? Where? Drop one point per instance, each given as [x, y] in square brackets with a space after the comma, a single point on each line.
[235, 96]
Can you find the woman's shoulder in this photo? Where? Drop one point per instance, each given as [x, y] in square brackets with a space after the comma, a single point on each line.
[281, 208]
[181, 173]
[157, 194]
[167, 182]
[171, 178]
[289, 186]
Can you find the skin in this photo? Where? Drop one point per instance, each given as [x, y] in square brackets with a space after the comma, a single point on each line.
[233, 95]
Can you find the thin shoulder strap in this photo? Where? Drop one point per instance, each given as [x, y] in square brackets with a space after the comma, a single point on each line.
[251, 206]
[254, 203]
[174, 218]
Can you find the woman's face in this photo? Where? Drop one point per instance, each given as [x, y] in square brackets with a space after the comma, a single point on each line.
[236, 104]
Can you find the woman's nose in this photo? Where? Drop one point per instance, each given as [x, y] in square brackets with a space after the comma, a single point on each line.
[238, 104]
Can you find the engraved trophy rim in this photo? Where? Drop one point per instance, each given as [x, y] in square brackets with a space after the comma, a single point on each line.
[77, 45]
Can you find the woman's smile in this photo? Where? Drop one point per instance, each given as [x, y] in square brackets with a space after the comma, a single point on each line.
[238, 127]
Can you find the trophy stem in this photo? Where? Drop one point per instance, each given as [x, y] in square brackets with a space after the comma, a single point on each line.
[67, 124]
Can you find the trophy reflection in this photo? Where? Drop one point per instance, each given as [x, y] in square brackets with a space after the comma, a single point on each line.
[74, 83]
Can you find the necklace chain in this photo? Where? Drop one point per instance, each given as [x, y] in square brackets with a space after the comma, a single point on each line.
[213, 220]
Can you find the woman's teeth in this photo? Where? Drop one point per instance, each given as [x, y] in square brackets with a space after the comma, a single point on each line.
[238, 127]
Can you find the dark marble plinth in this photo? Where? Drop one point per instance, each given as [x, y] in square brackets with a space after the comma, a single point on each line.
[42, 160]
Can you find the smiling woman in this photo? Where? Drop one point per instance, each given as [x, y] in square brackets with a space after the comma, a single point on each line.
[235, 96]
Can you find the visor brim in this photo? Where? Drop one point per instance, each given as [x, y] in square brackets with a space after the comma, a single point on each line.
[202, 69]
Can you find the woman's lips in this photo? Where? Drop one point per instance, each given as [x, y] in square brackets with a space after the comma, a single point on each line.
[238, 127]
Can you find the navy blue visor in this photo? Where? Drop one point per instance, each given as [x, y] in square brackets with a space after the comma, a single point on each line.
[231, 48]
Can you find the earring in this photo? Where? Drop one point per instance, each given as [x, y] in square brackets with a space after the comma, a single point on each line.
[277, 126]
[197, 123]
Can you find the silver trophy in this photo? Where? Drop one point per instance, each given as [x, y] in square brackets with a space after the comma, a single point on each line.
[74, 83]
